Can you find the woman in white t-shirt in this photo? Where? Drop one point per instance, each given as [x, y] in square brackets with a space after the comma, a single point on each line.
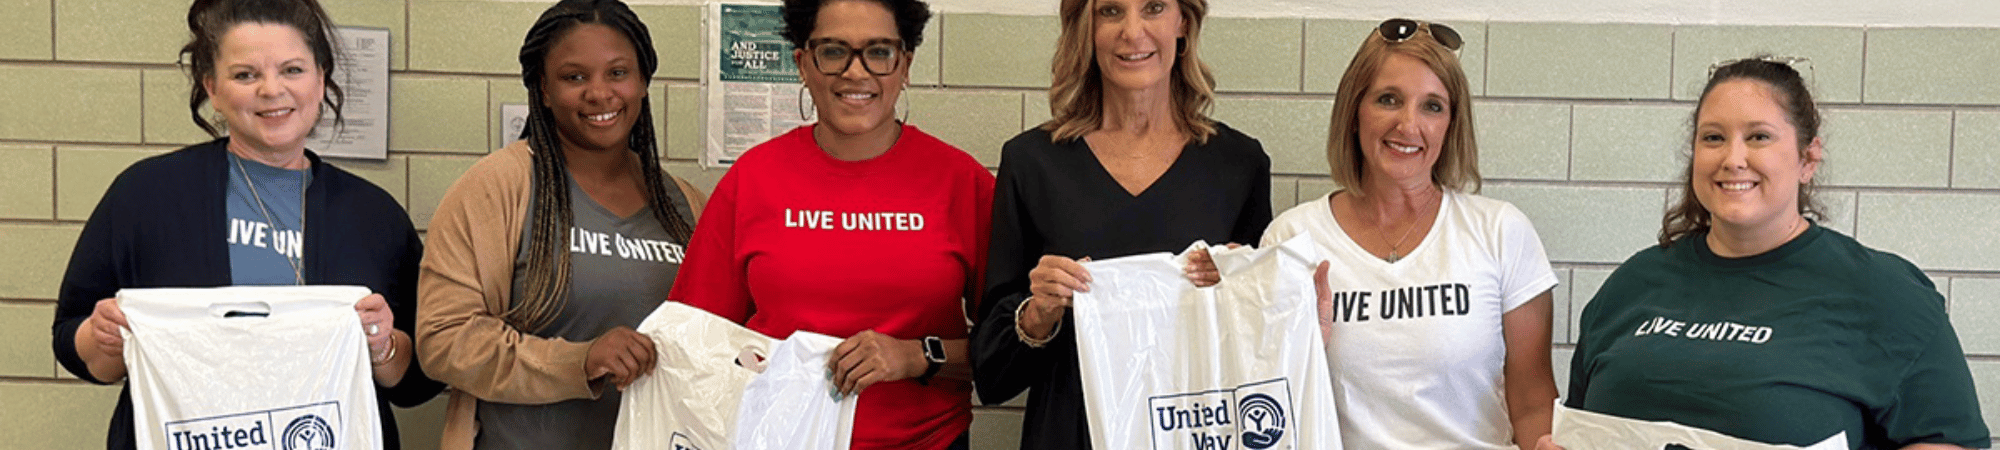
[1436, 312]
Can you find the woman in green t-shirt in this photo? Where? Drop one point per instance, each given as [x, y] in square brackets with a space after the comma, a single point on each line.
[1751, 320]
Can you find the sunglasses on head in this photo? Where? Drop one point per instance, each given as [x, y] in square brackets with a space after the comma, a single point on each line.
[1399, 30]
[1794, 62]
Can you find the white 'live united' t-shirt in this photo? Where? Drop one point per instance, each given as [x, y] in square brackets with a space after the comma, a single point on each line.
[1416, 349]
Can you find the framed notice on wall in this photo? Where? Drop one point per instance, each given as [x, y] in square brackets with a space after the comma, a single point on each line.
[750, 86]
[363, 74]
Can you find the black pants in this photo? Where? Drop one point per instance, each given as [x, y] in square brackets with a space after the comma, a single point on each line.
[964, 442]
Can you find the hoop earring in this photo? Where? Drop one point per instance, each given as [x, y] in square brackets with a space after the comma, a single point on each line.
[803, 95]
[905, 100]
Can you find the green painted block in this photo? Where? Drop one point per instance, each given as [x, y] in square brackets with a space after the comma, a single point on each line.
[1934, 230]
[437, 114]
[677, 34]
[1834, 55]
[1640, 142]
[1587, 224]
[27, 181]
[971, 57]
[1522, 141]
[41, 254]
[1253, 55]
[166, 115]
[682, 140]
[976, 122]
[1887, 148]
[1975, 157]
[26, 32]
[469, 36]
[927, 65]
[430, 177]
[120, 31]
[1975, 306]
[1284, 194]
[392, 174]
[24, 340]
[1932, 66]
[1608, 61]
[1292, 130]
[83, 173]
[49, 414]
[70, 104]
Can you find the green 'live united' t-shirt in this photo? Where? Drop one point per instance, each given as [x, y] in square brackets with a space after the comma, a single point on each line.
[1819, 336]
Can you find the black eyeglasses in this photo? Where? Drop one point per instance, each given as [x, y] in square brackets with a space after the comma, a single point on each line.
[878, 57]
[1399, 30]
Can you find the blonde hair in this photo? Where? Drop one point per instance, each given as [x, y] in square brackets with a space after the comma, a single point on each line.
[1458, 164]
[1076, 90]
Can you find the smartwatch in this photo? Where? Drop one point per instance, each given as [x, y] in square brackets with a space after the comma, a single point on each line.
[934, 356]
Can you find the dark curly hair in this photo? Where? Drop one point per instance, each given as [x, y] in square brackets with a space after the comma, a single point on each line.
[801, 17]
[209, 20]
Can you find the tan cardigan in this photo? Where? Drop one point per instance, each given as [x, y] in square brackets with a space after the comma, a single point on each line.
[462, 293]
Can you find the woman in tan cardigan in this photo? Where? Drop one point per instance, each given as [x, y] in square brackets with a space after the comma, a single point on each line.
[547, 252]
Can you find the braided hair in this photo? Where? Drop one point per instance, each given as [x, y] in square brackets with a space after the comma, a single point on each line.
[548, 269]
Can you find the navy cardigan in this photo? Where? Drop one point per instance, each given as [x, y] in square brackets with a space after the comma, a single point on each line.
[163, 223]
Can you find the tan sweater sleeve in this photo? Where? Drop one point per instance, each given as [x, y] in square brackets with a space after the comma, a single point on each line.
[463, 288]
[696, 198]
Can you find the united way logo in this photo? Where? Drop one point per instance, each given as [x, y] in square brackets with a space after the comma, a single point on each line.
[1263, 421]
[1250, 416]
[308, 432]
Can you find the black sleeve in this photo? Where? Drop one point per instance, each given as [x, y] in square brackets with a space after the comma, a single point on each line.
[92, 275]
[1256, 215]
[416, 387]
[1002, 365]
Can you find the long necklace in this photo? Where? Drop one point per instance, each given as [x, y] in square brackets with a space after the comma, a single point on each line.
[298, 274]
[1394, 246]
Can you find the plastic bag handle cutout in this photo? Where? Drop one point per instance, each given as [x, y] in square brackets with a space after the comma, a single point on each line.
[750, 359]
[232, 310]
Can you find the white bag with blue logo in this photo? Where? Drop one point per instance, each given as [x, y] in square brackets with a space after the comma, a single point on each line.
[250, 367]
[1238, 365]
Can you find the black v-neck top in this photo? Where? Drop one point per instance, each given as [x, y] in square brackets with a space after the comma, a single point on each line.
[1056, 198]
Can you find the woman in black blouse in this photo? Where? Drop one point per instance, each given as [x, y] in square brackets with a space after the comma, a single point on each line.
[1129, 165]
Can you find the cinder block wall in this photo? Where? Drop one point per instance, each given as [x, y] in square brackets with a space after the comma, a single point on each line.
[1582, 126]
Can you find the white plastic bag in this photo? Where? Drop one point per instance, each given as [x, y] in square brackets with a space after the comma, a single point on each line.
[1584, 430]
[689, 401]
[250, 367]
[792, 405]
[1240, 364]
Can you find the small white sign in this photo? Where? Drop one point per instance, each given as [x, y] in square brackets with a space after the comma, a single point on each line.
[513, 121]
[363, 74]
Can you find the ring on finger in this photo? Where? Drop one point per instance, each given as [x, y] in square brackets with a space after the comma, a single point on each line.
[374, 329]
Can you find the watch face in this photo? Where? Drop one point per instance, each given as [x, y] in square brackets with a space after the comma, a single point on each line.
[934, 349]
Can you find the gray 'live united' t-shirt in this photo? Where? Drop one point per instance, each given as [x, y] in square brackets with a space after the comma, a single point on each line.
[265, 225]
[621, 268]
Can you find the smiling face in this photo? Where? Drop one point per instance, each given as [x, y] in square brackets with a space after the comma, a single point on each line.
[1402, 121]
[592, 85]
[266, 86]
[1135, 42]
[1748, 163]
[854, 102]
